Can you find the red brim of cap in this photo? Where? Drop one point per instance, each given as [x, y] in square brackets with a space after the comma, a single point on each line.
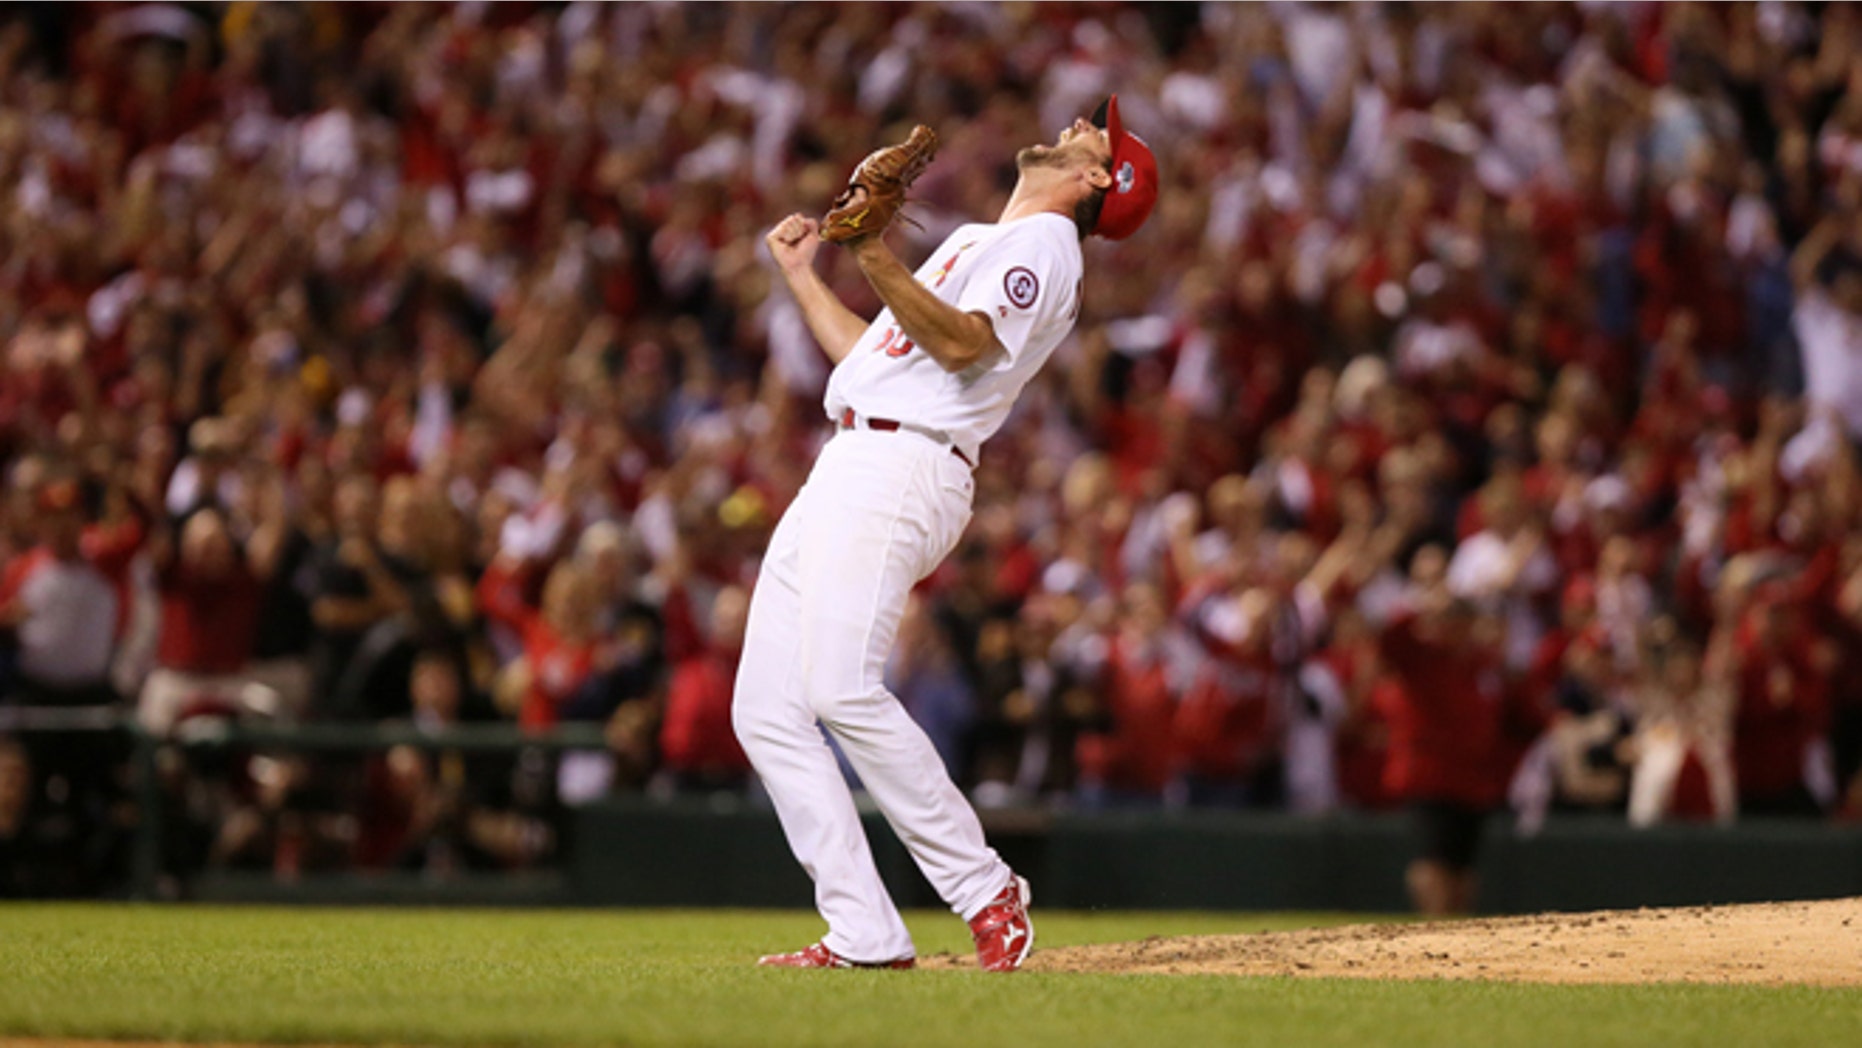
[1134, 177]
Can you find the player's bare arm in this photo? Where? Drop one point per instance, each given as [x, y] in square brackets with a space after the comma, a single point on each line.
[793, 243]
[956, 339]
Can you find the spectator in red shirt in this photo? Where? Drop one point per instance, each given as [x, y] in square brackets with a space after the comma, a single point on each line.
[697, 744]
[1781, 709]
[1442, 698]
[559, 639]
[1229, 723]
[1362, 739]
[209, 619]
[1133, 757]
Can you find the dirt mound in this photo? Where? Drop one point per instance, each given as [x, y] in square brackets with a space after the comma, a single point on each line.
[1815, 943]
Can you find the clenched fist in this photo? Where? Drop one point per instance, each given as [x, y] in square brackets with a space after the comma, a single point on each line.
[793, 242]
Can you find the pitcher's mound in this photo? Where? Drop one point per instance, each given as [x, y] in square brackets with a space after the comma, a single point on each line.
[1817, 943]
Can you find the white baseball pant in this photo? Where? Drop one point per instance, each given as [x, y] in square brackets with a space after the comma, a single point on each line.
[879, 511]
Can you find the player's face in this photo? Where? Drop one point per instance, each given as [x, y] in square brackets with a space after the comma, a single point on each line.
[1080, 144]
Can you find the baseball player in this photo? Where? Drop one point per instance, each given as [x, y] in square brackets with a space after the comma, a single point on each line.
[913, 394]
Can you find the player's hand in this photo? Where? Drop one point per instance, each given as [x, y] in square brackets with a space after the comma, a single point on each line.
[794, 241]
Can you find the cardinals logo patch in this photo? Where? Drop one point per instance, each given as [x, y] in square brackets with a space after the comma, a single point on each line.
[1022, 285]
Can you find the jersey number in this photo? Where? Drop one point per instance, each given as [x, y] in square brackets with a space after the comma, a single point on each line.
[895, 344]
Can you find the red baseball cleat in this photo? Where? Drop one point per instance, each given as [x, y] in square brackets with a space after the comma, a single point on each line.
[1004, 935]
[819, 956]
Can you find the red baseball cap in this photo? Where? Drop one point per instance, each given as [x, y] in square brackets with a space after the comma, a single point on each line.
[1134, 177]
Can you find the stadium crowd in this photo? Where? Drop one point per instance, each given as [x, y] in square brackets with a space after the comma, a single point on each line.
[1475, 423]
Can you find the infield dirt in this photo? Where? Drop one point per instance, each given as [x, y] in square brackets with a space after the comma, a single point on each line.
[1804, 943]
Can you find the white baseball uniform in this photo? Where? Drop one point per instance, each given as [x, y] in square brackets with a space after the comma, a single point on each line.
[879, 511]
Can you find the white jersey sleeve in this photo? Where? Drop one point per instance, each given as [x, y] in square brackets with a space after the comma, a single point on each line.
[1025, 284]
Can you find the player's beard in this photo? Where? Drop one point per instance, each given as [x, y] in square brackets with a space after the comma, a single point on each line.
[1039, 156]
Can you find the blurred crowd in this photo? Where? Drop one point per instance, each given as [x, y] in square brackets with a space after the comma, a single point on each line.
[1476, 419]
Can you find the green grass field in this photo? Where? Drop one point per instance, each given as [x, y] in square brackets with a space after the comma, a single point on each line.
[683, 978]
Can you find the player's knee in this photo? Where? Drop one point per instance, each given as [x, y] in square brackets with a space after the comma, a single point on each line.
[757, 724]
[851, 706]
[836, 668]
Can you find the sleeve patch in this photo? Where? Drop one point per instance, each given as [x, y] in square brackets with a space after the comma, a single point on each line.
[1022, 286]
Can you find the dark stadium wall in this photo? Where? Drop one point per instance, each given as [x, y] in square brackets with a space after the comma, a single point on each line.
[641, 855]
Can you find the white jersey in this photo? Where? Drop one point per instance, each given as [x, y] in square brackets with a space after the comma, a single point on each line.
[1024, 275]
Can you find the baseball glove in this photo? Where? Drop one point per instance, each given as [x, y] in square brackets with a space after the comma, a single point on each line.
[876, 191]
